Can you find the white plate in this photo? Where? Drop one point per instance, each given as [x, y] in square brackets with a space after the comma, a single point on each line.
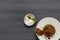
[52, 21]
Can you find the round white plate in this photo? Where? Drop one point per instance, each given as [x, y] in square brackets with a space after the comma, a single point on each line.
[52, 21]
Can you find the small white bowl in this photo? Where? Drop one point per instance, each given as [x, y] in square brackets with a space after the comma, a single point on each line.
[28, 21]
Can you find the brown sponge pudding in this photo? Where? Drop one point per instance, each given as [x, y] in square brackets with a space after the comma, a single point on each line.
[38, 31]
[48, 30]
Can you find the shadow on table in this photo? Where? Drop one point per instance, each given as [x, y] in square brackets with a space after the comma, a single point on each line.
[36, 38]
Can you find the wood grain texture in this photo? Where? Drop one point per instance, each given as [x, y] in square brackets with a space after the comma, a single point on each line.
[12, 13]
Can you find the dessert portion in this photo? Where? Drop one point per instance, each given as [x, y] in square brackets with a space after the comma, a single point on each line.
[48, 30]
[38, 31]
[29, 19]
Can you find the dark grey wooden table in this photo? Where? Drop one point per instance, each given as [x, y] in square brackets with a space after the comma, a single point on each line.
[12, 13]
